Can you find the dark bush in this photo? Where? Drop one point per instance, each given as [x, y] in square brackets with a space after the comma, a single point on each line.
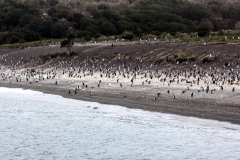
[181, 60]
[44, 58]
[226, 64]
[128, 36]
[65, 42]
[84, 34]
[206, 60]
[71, 36]
[49, 56]
[63, 54]
[159, 61]
[72, 54]
[192, 59]
[171, 61]
[54, 55]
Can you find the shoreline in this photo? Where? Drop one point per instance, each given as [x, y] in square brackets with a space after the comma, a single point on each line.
[128, 75]
[199, 108]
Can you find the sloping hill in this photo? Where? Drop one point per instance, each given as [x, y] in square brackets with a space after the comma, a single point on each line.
[23, 21]
[224, 2]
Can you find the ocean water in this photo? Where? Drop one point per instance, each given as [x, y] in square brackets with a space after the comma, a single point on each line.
[34, 125]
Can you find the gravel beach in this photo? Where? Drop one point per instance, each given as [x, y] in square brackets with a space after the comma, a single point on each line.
[128, 75]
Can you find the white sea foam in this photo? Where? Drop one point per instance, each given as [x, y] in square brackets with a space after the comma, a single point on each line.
[42, 126]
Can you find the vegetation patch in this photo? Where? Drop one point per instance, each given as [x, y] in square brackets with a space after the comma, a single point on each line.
[34, 20]
[192, 59]
[181, 60]
[159, 61]
[71, 54]
[206, 60]
[227, 64]
[175, 56]
[171, 61]
[64, 54]
[49, 56]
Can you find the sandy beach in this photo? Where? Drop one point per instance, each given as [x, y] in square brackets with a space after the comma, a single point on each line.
[130, 77]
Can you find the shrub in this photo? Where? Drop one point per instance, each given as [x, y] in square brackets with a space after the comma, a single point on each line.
[64, 54]
[44, 57]
[181, 60]
[82, 34]
[206, 60]
[159, 61]
[14, 39]
[192, 59]
[48, 56]
[54, 55]
[128, 36]
[171, 61]
[72, 54]
[226, 64]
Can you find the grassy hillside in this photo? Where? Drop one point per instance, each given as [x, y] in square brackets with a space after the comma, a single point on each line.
[225, 2]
